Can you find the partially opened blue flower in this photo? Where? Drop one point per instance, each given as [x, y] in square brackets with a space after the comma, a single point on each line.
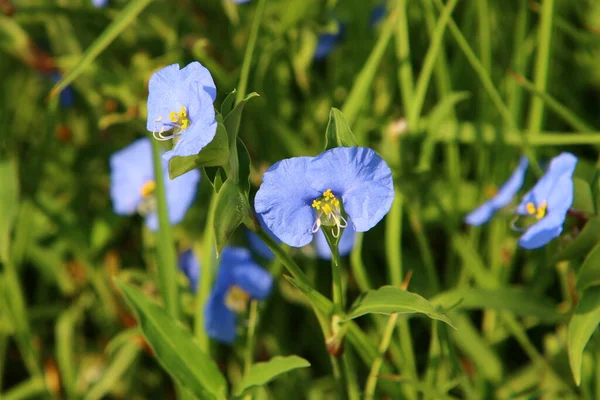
[239, 280]
[327, 42]
[190, 266]
[507, 191]
[341, 187]
[132, 185]
[180, 107]
[345, 244]
[548, 201]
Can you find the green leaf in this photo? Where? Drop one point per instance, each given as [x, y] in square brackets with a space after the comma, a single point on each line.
[231, 210]
[389, 300]
[244, 158]
[118, 25]
[216, 153]
[227, 104]
[583, 323]
[9, 204]
[233, 119]
[338, 133]
[216, 177]
[316, 299]
[587, 238]
[263, 372]
[515, 300]
[582, 196]
[175, 348]
[589, 273]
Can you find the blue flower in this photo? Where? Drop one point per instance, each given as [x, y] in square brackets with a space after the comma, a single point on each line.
[190, 266]
[327, 42]
[181, 101]
[239, 280]
[344, 246]
[548, 201]
[67, 96]
[508, 190]
[132, 185]
[377, 14]
[340, 187]
[99, 3]
[241, 1]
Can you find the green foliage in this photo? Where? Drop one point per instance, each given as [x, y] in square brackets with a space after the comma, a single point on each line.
[338, 132]
[263, 372]
[583, 324]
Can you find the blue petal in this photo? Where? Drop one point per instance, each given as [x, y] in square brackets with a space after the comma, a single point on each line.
[505, 194]
[152, 221]
[284, 201]
[257, 244]
[219, 321]
[200, 133]
[360, 177]
[99, 3]
[180, 193]
[241, 1]
[196, 73]
[130, 168]
[253, 279]
[377, 14]
[327, 42]
[564, 163]
[543, 231]
[344, 246]
[560, 199]
[190, 266]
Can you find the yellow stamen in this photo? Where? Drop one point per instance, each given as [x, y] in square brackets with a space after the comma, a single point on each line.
[539, 212]
[316, 204]
[237, 299]
[530, 207]
[148, 188]
[180, 118]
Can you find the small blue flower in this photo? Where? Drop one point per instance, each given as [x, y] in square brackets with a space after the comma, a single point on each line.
[190, 266]
[508, 190]
[377, 14]
[344, 246]
[239, 280]
[548, 201]
[67, 95]
[99, 3]
[132, 185]
[299, 195]
[327, 42]
[181, 101]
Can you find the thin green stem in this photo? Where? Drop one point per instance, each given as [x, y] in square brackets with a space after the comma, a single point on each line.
[376, 366]
[405, 73]
[249, 356]
[393, 238]
[245, 73]
[350, 373]
[336, 273]
[167, 258]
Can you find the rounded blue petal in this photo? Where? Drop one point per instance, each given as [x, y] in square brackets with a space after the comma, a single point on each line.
[219, 321]
[254, 280]
[190, 266]
[130, 168]
[180, 193]
[505, 194]
[284, 201]
[327, 42]
[344, 246]
[543, 231]
[360, 177]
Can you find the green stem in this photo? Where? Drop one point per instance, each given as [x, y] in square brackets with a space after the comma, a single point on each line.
[241, 90]
[167, 258]
[405, 73]
[336, 272]
[206, 277]
[248, 358]
[376, 366]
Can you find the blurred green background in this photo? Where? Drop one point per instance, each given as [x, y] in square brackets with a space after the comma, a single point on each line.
[449, 99]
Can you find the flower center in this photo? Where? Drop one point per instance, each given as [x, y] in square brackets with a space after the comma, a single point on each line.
[237, 299]
[329, 213]
[539, 212]
[148, 203]
[180, 121]
[148, 188]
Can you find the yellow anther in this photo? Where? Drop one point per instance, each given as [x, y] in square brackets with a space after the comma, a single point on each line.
[326, 208]
[335, 202]
[541, 210]
[147, 188]
[173, 116]
[237, 299]
[328, 194]
[530, 207]
[316, 204]
[180, 118]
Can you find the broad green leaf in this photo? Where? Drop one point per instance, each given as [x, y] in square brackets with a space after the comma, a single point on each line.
[233, 119]
[584, 323]
[389, 300]
[9, 204]
[338, 133]
[227, 104]
[263, 372]
[515, 300]
[589, 273]
[244, 159]
[216, 153]
[582, 196]
[175, 347]
[231, 210]
[118, 25]
[587, 238]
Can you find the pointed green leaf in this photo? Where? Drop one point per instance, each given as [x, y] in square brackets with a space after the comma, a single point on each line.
[244, 158]
[338, 133]
[118, 25]
[316, 299]
[582, 196]
[231, 210]
[227, 104]
[263, 372]
[216, 153]
[233, 119]
[216, 177]
[175, 347]
[584, 323]
[589, 273]
[389, 300]
[9, 204]
[587, 238]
